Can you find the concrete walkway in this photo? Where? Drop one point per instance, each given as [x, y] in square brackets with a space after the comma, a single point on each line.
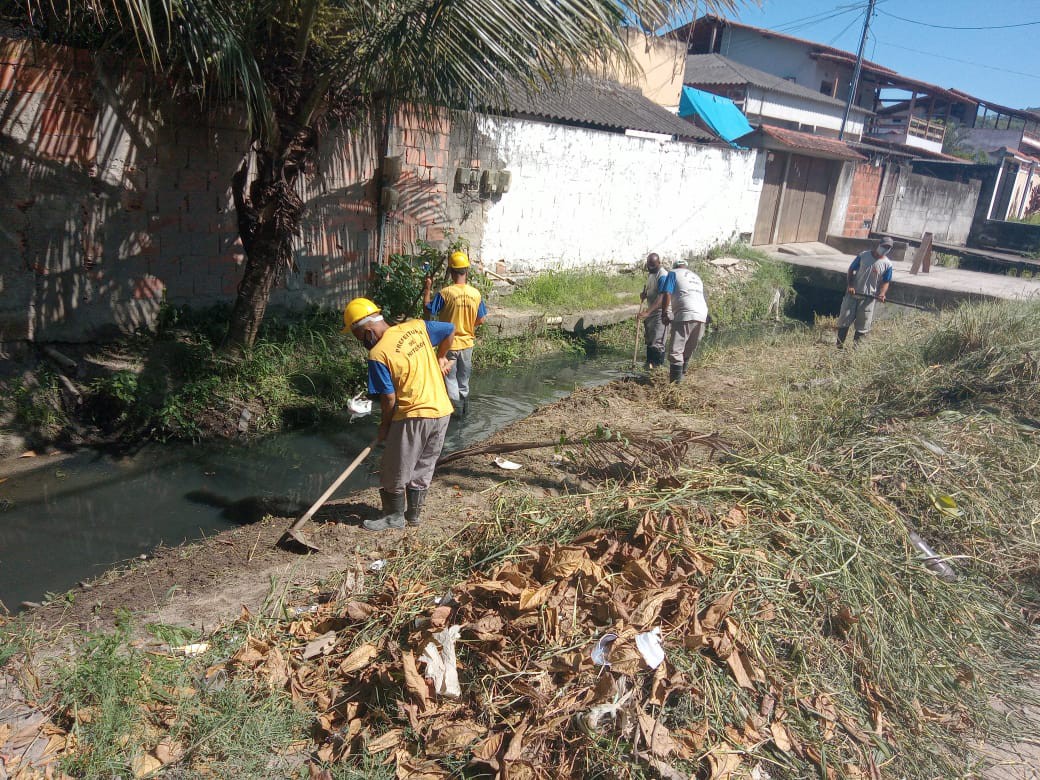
[822, 266]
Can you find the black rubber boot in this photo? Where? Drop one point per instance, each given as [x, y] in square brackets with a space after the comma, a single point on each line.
[675, 372]
[654, 357]
[857, 336]
[416, 499]
[393, 513]
[843, 334]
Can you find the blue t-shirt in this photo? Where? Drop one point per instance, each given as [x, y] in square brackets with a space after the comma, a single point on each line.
[379, 380]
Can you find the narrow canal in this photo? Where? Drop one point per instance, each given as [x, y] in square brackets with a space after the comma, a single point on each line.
[70, 521]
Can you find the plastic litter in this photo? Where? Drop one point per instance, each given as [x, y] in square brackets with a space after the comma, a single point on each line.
[601, 651]
[297, 611]
[588, 722]
[377, 565]
[649, 644]
[502, 463]
[196, 648]
[932, 560]
[359, 406]
[440, 662]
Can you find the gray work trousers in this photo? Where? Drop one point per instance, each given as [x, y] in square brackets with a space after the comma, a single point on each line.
[685, 338]
[457, 379]
[654, 331]
[856, 310]
[412, 449]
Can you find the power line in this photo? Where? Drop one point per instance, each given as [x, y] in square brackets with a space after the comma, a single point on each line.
[963, 62]
[854, 86]
[954, 27]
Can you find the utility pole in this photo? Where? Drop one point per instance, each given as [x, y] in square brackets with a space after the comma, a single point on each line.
[858, 68]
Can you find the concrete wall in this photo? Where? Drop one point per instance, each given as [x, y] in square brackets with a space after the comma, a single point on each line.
[809, 114]
[1013, 236]
[989, 139]
[582, 197]
[926, 204]
[661, 63]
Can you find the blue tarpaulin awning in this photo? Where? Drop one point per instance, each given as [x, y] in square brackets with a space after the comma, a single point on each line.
[719, 114]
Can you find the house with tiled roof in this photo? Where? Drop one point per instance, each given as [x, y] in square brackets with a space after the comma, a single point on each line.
[766, 98]
[834, 165]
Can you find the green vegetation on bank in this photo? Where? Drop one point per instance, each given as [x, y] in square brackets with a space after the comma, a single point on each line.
[857, 659]
[746, 292]
[579, 290]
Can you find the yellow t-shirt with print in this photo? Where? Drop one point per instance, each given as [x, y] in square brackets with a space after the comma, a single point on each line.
[407, 353]
[462, 307]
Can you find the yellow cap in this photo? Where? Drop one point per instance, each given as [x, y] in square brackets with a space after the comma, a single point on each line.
[458, 261]
[357, 310]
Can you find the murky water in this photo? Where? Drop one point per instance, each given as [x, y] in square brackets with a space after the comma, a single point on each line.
[71, 521]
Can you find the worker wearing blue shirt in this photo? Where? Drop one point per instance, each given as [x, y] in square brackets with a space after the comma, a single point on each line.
[686, 310]
[868, 280]
[407, 374]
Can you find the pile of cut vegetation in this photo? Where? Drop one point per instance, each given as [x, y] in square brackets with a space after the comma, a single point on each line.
[764, 614]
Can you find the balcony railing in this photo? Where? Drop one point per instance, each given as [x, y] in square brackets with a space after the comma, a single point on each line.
[915, 132]
[930, 131]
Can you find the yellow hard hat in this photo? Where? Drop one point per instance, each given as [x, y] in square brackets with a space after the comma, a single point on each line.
[458, 261]
[356, 310]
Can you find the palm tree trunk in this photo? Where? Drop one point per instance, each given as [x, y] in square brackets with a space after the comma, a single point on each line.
[262, 268]
[269, 213]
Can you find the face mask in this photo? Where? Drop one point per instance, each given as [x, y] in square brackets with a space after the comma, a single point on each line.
[369, 339]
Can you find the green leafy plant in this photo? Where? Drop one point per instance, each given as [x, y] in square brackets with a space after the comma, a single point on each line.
[398, 286]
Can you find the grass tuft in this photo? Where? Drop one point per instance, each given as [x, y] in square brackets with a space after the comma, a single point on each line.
[579, 290]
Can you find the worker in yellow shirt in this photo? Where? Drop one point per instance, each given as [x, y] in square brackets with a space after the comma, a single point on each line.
[407, 373]
[460, 304]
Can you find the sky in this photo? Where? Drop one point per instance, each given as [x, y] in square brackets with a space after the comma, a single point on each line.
[1001, 65]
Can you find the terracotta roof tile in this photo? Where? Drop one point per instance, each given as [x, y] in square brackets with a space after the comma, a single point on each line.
[812, 145]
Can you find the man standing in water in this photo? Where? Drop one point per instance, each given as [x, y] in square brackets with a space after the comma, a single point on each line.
[687, 311]
[654, 325]
[868, 279]
[460, 304]
[408, 376]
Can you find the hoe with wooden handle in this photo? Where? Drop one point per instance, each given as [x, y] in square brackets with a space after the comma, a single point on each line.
[293, 533]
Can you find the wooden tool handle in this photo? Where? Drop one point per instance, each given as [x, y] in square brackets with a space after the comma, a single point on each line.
[332, 488]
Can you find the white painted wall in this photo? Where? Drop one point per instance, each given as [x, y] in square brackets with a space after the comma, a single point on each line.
[583, 197]
[790, 60]
[772, 105]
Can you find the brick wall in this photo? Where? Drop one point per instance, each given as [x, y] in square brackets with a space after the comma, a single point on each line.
[113, 202]
[863, 199]
[432, 207]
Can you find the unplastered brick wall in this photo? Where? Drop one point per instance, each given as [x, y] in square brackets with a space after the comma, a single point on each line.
[581, 197]
[432, 207]
[863, 200]
[114, 202]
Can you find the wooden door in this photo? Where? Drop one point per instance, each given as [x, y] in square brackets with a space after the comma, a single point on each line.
[804, 201]
[770, 198]
[814, 202]
[793, 199]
